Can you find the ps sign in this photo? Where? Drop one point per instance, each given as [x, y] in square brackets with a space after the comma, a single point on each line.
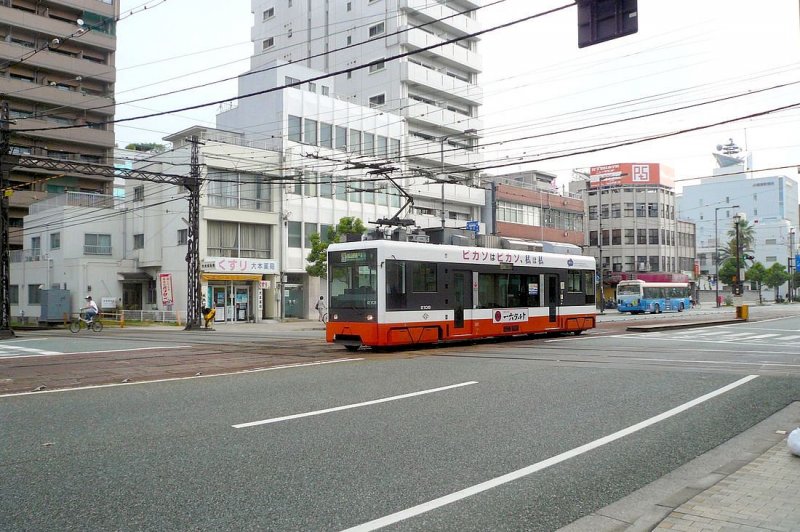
[473, 226]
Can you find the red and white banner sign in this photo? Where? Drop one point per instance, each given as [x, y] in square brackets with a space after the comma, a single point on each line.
[165, 282]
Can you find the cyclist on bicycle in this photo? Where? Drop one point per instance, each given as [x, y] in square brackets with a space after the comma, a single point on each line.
[90, 308]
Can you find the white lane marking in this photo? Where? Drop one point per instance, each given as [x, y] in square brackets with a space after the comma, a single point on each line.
[725, 362]
[759, 337]
[256, 370]
[16, 348]
[106, 351]
[790, 338]
[515, 475]
[354, 405]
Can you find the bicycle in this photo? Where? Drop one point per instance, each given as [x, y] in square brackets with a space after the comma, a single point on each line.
[324, 317]
[79, 323]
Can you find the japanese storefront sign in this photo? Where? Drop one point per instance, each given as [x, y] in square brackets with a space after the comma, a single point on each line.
[239, 265]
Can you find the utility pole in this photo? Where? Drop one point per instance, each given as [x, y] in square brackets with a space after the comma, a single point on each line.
[5, 244]
[194, 297]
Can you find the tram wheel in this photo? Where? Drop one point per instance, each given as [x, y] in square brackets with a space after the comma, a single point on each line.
[352, 347]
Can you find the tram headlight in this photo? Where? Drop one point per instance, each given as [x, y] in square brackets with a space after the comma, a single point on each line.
[335, 316]
[370, 317]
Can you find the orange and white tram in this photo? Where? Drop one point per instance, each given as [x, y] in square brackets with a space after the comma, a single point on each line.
[385, 293]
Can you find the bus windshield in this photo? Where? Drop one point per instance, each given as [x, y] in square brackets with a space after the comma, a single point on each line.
[629, 290]
[353, 279]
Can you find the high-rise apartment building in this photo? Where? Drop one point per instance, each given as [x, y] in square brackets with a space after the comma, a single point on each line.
[57, 69]
[436, 91]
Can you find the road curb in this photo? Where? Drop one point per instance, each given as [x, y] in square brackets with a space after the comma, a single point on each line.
[691, 325]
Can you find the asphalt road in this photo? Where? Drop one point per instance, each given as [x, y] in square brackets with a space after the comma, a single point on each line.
[513, 435]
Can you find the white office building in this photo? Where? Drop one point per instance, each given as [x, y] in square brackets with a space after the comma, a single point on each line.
[770, 205]
[436, 90]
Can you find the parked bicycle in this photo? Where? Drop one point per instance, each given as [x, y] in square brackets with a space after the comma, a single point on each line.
[81, 323]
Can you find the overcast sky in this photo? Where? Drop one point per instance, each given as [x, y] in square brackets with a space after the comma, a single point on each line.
[537, 83]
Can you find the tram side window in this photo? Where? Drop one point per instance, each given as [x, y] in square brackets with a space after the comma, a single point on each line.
[504, 290]
[588, 286]
[574, 281]
[395, 284]
[423, 277]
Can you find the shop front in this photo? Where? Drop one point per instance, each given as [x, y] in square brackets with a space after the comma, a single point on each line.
[236, 287]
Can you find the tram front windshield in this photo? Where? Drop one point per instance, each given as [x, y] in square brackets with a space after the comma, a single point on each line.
[353, 279]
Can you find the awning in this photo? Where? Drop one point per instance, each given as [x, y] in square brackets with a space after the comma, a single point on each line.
[230, 277]
[134, 277]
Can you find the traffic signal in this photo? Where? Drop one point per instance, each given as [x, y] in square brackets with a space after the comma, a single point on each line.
[603, 20]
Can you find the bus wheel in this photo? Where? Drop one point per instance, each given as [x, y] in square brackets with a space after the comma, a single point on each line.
[656, 309]
[680, 309]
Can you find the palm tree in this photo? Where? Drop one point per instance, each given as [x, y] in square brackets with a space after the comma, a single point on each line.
[747, 239]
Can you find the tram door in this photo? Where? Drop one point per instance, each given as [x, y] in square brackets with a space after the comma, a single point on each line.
[551, 295]
[462, 299]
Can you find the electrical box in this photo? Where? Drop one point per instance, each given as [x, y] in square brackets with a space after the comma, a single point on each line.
[55, 302]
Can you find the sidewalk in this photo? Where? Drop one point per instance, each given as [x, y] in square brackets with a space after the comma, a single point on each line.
[762, 495]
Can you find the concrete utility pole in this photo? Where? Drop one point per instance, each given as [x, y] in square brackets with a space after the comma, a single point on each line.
[5, 253]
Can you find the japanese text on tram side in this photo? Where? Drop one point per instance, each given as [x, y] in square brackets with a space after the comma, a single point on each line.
[494, 258]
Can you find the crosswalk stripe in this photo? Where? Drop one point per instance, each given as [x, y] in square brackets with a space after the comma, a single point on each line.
[16, 349]
[760, 336]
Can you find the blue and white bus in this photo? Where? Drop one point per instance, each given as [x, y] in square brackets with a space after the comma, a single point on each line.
[642, 296]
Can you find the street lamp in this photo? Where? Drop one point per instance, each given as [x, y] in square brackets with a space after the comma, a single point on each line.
[716, 247]
[739, 284]
[791, 264]
[442, 140]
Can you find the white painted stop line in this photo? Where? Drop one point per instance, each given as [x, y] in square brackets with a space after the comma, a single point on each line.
[515, 475]
[354, 405]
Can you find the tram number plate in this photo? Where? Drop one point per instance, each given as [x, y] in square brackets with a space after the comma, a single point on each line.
[510, 315]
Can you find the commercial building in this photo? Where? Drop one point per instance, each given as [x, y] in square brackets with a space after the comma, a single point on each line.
[770, 206]
[60, 71]
[526, 207]
[632, 227]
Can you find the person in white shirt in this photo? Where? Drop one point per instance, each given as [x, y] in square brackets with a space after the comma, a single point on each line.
[90, 308]
[321, 308]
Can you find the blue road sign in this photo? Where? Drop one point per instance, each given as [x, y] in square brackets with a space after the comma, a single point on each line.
[473, 225]
[797, 263]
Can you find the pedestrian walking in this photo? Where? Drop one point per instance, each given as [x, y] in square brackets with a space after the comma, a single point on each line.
[321, 308]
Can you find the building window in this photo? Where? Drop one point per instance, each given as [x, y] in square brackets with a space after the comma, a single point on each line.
[369, 144]
[376, 101]
[341, 138]
[231, 239]
[96, 244]
[616, 237]
[312, 87]
[326, 135]
[294, 128]
[349, 6]
[310, 131]
[34, 294]
[183, 237]
[377, 66]
[326, 91]
[376, 30]
[653, 236]
[36, 247]
[295, 235]
[349, 40]
[138, 241]
[13, 294]
[55, 241]
[309, 229]
[138, 193]
[268, 13]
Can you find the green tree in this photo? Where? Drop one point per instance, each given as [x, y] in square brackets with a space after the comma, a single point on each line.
[776, 275]
[756, 274]
[746, 242]
[317, 257]
[150, 147]
[727, 272]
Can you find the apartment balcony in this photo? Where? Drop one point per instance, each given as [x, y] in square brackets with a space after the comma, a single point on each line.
[444, 86]
[75, 199]
[57, 62]
[105, 8]
[451, 54]
[27, 90]
[430, 151]
[50, 26]
[79, 135]
[453, 193]
[431, 115]
[429, 11]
